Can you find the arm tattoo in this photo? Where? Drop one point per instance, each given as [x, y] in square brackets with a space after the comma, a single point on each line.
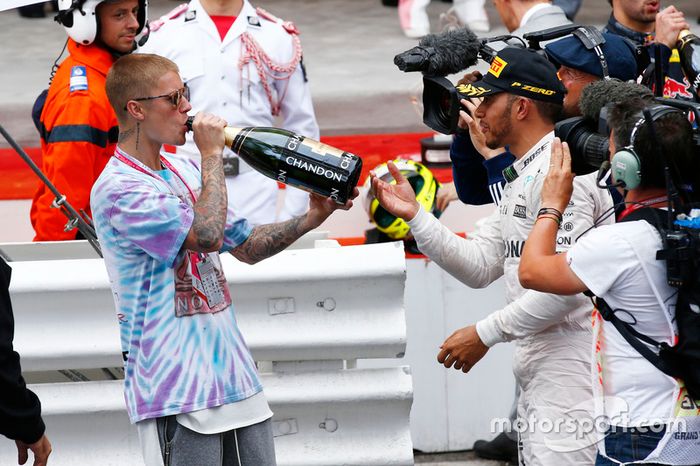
[210, 208]
[267, 240]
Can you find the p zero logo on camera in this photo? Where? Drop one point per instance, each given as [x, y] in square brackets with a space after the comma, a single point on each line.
[497, 66]
[536, 90]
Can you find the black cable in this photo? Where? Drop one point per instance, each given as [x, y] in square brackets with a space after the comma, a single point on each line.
[54, 68]
[75, 220]
[606, 214]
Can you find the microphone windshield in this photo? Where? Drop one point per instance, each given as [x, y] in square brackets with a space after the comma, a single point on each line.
[441, 54]
[598, 94]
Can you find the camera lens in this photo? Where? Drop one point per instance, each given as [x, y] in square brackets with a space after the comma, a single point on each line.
[440, 105]
[588, 148]
[445, 104]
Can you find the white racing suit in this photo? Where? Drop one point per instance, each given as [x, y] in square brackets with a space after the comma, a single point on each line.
[552, 362]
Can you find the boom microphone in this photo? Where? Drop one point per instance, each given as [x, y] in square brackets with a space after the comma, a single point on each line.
[602, 171]
[597, 95]
[441, 54]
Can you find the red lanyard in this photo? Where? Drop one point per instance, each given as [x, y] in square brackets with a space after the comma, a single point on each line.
[127, 159]
[639, 204]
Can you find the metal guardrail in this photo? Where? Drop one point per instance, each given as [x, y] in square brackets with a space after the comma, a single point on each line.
[307, 315]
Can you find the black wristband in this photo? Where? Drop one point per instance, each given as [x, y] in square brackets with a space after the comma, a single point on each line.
[552, 217]
[552, 211]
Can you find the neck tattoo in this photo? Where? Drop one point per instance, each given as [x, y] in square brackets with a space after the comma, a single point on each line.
[138, 132]
[124, 135]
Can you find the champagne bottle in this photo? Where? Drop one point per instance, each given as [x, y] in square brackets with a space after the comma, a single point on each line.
[296, 160]
[689, 51]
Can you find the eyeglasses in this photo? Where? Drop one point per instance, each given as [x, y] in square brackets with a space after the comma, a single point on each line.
[175, 96]
[567, 74]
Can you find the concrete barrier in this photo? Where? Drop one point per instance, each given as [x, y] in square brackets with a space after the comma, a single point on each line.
[307, 314]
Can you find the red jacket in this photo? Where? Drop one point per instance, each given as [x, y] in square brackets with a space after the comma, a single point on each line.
[78, 134]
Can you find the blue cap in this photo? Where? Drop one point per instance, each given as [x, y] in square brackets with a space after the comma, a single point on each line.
[619, 54]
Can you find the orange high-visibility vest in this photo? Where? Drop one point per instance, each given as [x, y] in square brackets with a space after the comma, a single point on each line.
[78, 135]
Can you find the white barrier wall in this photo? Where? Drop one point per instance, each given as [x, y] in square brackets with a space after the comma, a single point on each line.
[307, 315]
[451, 410]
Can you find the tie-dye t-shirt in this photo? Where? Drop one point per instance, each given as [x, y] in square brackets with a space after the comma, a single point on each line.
[172, 364]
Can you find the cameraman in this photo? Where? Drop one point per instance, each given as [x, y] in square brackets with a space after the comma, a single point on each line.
[477, 169]
[618, 263]
[522, 97]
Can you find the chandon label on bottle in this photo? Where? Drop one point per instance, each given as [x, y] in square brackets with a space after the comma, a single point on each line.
[345, 161]
[297, 161]
[310, 167]
[293, 144]
[318, 147]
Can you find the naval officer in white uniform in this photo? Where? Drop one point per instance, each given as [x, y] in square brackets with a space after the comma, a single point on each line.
[242, 64]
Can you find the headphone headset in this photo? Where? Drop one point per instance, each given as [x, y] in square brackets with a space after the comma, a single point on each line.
[625, 163]
[79, 18]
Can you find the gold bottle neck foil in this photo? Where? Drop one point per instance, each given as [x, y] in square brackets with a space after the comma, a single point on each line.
[683, 37]
[230, 133]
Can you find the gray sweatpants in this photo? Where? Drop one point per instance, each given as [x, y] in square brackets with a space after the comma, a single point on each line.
[247, 446]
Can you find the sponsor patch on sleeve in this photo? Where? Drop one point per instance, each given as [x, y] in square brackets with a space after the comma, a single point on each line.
[520, 211]
[78, 79]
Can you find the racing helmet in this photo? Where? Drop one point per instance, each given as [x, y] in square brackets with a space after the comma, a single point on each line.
[79, 18]
[424, 185]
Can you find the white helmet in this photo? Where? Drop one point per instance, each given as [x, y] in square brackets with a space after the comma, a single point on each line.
[79, 19]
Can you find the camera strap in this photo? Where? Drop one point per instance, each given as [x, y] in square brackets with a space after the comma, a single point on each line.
[592, 39]
[640, 342]
[649, 348]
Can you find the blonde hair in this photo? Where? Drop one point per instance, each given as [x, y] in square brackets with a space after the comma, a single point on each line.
[133, 76]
